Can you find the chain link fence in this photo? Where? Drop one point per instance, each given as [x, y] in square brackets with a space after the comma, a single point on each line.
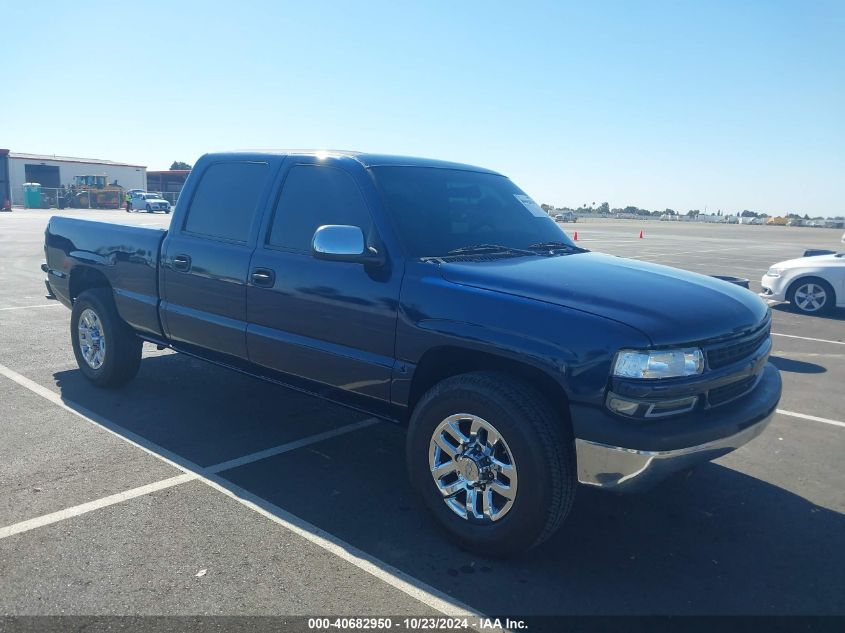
[72, 198]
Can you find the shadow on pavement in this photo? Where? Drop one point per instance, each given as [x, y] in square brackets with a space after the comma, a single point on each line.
[713, 542]
[838, 314]
[796, 366]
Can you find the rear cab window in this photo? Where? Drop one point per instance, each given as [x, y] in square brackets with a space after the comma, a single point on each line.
[225, 202]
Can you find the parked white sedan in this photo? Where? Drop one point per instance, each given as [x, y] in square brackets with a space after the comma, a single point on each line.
[149, 202]
[813, 285]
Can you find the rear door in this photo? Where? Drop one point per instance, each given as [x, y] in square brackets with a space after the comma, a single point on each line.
[325, 321]
[206, 258]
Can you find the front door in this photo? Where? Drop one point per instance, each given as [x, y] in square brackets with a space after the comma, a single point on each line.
[329, 322]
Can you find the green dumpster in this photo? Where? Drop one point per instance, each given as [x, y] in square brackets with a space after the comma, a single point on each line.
[32, 195]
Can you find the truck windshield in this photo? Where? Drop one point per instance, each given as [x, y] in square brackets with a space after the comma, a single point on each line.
[439, 211]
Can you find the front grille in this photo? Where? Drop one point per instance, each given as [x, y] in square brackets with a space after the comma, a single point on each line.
[732, 352]
[721, 395]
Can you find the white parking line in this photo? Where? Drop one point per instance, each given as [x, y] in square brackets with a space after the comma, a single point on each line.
[40, 305]
[290, 446]
[807, 338]
[814, 418]
[189, 475]
[75, 511]
[417, 589]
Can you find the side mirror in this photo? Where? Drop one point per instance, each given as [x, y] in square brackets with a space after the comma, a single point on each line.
[341, 243]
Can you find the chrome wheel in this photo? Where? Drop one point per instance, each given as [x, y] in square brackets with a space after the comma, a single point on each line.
[810, 297]
[92, 340]
[473, 468]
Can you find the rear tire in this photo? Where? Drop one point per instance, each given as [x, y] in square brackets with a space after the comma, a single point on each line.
[149, 209]
[107, 351]
[537, 445]
[811, 295]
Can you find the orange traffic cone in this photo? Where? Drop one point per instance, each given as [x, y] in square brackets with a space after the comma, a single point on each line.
[641, 234]
[575, 237]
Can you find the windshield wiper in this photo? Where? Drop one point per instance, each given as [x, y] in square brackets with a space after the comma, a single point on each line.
[477, 249]
[554, 246]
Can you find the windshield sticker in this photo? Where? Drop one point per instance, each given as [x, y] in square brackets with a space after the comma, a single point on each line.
[532, 206]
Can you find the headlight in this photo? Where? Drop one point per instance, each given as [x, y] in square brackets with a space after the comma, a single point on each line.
[672, 363]
[774, 272]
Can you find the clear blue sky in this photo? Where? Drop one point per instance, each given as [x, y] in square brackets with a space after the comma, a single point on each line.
[732, 105]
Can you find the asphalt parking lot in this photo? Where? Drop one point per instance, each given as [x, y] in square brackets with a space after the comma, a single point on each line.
[194, 490]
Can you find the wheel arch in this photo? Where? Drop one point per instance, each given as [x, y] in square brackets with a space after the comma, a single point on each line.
[84, 278]
[804, 278]
[443, 362]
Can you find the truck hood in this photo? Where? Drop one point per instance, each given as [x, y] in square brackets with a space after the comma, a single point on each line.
[668, 305]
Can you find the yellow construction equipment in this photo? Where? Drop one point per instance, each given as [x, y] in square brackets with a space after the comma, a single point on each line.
[95, 192]
[778, 221]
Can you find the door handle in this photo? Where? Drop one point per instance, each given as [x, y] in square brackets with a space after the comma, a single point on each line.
[263, 277]
[182, 263]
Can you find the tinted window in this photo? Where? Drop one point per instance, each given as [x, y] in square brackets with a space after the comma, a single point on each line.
[439, 210]
[226, 200]
[311, 197]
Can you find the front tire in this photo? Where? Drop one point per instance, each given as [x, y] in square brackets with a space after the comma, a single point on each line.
[107, 351]
[811, 295]
[149, 209]
[492, 462]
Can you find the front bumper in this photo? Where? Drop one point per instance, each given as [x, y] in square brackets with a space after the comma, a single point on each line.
[774, 288]
[662, 450]
[631, 470]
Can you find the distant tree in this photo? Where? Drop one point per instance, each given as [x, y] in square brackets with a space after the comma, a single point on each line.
[670, 212]
[693, 212]
[604, 207]
[547, 207]
[806, 216]
[178, 164]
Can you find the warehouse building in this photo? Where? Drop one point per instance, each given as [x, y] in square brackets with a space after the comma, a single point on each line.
[168, 182]
[53, 172]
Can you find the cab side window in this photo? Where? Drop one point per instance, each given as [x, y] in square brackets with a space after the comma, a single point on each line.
[226, 201]
[312, 196]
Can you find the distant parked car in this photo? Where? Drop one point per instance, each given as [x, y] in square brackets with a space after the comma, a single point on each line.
[149, 202]
[778, 221]
[813, 285]
[569, 216]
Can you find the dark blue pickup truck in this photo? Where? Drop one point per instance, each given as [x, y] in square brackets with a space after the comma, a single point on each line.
[440, 296]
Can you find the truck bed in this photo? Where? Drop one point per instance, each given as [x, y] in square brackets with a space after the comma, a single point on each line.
[127, 258]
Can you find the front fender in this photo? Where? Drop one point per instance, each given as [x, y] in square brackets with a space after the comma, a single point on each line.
[575, 348]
